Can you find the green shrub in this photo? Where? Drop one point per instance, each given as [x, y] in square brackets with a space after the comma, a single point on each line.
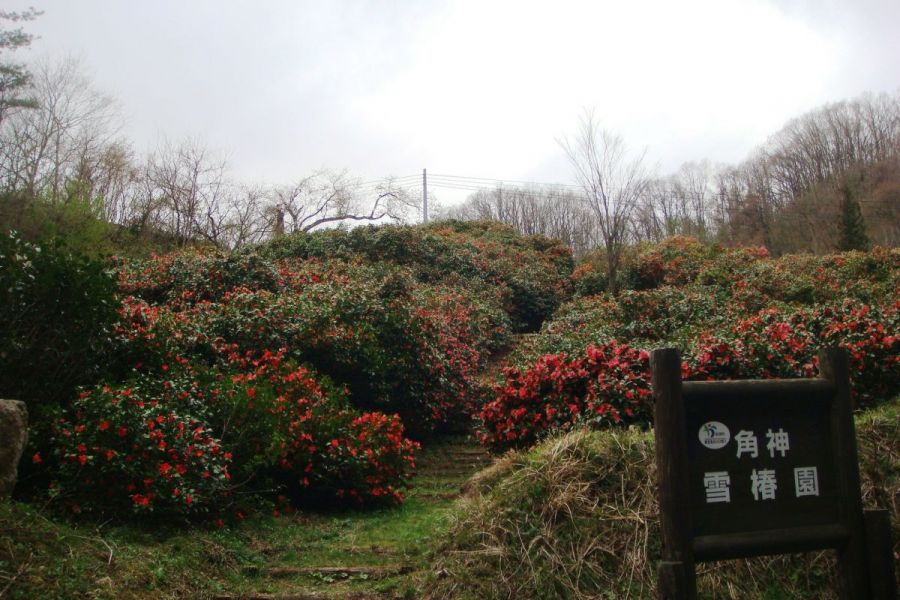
[57, 310]
[530, 274]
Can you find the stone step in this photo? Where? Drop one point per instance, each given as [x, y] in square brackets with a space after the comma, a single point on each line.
[460, 451]
[447, 458]
[371, 549]
[370, 571]
[448, 471]
[303, 595]
[437, 495]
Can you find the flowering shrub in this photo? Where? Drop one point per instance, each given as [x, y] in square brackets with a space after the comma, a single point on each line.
[170, 440]
[139, 449]
[675, 261]
[735, 314]
[776, 345]
[366, 461]
[607, 385]
[399, 346]
[292, 421]
[871, 335]
[784, 343]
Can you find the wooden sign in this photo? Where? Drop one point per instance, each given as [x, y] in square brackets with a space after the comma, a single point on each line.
[748, 468]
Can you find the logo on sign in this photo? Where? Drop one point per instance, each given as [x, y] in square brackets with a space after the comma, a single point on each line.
[714, 435]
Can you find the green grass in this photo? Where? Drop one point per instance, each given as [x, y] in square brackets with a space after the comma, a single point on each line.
[44, 557]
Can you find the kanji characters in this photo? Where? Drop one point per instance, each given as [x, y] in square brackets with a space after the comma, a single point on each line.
[746, 443]
[763, 484]
[806, 481]
[778, 442]
[717, 486]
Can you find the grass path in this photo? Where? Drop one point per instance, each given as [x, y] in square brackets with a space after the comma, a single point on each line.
[364, 555]
[358, 555]
[361, 555]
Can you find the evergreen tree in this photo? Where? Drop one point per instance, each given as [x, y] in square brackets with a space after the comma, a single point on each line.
[14, 77]
[853, 228]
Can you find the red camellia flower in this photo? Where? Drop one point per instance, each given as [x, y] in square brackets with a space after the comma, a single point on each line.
[104, 425]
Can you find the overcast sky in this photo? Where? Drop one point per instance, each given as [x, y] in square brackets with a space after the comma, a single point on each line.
[476, 88]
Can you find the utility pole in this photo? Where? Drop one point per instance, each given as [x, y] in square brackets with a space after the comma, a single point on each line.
[424, 196]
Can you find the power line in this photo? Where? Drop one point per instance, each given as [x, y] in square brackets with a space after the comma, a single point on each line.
[503, 181]
[383, 180]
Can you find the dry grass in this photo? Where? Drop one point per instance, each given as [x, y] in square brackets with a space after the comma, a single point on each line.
[576, 518]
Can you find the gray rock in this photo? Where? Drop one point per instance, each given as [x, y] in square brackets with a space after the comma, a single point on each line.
[13, 436]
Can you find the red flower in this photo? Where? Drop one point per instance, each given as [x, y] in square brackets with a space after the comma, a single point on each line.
[104, 425]
[36, 459]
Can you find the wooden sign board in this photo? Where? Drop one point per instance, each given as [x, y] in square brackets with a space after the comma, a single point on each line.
[748, 468]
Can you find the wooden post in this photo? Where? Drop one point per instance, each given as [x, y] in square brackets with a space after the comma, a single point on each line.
[880, 550]
[678, 578]
[670, 580]
[834, 366]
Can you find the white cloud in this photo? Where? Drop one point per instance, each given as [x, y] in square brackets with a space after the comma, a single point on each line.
[470, 87]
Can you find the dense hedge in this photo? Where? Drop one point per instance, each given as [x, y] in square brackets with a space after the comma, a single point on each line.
[398, 345]
[608, 385]
[529, 274]
[303, 370]
[734, 313]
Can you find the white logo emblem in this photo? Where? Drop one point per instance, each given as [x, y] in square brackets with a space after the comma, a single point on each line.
[714, 435]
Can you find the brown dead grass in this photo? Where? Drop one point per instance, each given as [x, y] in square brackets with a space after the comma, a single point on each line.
[576, 517]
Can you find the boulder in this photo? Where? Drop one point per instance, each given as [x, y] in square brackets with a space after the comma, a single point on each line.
[13, 436]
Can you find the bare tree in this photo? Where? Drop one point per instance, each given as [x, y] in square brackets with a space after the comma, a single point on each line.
[185, 185]
[551, 211]
[613, 184]
[42, 151]
[328, 197]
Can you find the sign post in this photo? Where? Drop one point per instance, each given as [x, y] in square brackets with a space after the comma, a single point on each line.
[748, 468]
